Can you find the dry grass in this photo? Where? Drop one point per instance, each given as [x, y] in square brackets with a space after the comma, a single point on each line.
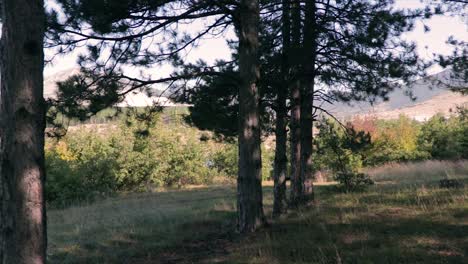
[389, 223]
[417, 172]
[130, 228]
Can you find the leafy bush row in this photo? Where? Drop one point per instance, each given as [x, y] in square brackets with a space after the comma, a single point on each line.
[365, 142]
[134, 157]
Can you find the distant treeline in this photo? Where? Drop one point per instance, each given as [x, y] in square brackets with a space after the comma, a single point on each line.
[365, 142]
[140, 151]
[137, 152]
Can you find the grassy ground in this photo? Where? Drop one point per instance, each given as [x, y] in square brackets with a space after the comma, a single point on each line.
[405, 220]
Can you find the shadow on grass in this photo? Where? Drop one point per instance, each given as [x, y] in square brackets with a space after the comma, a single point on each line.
[180, 226]
[194, 242]
[393, 233]
[199, 231]
[379, 241]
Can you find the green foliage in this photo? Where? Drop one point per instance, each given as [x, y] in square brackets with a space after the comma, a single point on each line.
[225, 161]
[396, 140]
[63, 183]
[268, 159]
[361, 143]
[352, 181]
[142, 151]
[134, 156]
[339, 149]
[446, 138]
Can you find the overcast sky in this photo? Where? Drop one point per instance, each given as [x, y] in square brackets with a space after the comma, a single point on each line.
[428, 43]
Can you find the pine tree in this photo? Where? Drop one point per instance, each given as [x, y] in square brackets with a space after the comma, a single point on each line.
[22, 123]
[280, 166]
[340, 50]
[351, 51]
[249, 181]
[119, 31]
[458, 60]
[295, 105]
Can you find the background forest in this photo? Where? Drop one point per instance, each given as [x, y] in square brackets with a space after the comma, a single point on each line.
[125, 154]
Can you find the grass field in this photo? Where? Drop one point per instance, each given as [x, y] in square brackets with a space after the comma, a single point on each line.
[404, 218]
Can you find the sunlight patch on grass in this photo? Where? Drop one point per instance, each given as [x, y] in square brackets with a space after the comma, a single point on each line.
[407, 222]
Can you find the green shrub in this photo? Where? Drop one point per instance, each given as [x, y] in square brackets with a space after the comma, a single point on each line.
[79, 168]
[445, 138]
[370, 142]
[352, 181]
[340, 149]
[225, 160]
[63, 184]
[268, 159]
[184, 164]
[129, 157]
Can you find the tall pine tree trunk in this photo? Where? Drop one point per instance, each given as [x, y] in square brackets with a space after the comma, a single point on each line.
[280, 169]
[307, 101]
[249, 181]
[22, 124]
[295, 98]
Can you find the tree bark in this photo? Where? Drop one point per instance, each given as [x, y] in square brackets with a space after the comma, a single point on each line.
[249, 181]
[307, 101]
[295, 130]
[22, 124]
[280, 168]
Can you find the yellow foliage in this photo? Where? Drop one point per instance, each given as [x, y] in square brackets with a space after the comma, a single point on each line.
[63, 152]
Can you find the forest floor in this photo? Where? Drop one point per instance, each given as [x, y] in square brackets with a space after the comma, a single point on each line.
[395, 221]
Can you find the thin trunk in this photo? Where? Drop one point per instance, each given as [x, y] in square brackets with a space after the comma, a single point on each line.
[280, 170]
[22, 124]
[295, 132]
[249, 181]
[307, 101]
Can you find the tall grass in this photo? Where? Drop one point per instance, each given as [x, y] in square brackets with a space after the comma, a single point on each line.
[135, 227]
[389, 223]
[424, 171]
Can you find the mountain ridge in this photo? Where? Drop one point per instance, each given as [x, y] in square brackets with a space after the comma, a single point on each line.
[430, 99]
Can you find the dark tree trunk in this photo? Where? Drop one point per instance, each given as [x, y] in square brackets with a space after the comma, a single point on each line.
[295, 132]
[249, 181]
[22, 124]
[280, 169]
[307, 101]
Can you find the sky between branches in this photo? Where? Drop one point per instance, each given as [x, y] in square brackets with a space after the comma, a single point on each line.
[434, 41]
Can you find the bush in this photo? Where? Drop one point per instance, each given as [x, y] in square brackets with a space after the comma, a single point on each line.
[63, 185]
[340, 149]
[184, 164]
[268, 159]
[445, 138]
[225, 160]
[129, 157]
[351, 182]
[371, 142]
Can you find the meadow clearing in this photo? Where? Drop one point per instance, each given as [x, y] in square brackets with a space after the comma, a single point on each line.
[404, 218]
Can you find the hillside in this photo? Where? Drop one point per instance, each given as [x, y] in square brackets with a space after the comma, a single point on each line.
[429, 98]
[136, 99]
